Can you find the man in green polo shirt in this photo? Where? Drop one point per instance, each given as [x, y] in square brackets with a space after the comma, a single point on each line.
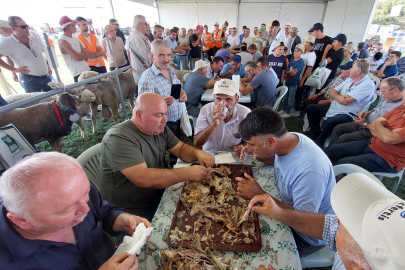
[133, 158]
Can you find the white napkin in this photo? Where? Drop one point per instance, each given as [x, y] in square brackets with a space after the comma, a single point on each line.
[224, 158]
[133, 244]
[182, 165]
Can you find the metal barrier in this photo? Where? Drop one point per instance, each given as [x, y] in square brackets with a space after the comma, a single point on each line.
[30, 100]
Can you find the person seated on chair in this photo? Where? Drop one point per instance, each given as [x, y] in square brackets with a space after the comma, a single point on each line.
[225, 53]
[195, 85]
[323, 98]
[384, 152]
[263, 63]
[304, 175]
[133, 158]
[233, 68]
[218, 121]
[389, 68]
[358, 130]
[244, 54]
[215, 67]
[356, 228]
[352, 96]
[53, 218]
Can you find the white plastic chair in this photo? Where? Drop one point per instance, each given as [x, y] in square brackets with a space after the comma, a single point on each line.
[282, 90]
[90, 161]
[371, 102]
[185, 76]
[375, 80]
[321, 258]
[351, 168]
[401, 76]
[399, 174]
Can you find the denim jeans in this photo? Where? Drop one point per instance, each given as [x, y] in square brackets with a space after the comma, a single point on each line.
[358, 153]
[176, 60]
[182, 61]
[35, 83]
[289, 98]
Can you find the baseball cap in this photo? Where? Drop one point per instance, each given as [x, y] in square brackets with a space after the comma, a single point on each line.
[199, 27]
[200, 64]
[349, 48]
[294, 30]
[216, 23]
[237, 59]
[346, 66]
[374, 217]
[310, 39]
[225, 87]
[4, 24]
[289, 24]
[317, 26]
[341, 38]
[279, 43]
[65, 21]
[300, 46]
[261, 30]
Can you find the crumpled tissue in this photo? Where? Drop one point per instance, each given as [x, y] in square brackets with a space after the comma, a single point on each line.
[133, 244]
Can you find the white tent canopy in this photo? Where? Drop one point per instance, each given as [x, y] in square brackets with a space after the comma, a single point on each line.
[351, 17]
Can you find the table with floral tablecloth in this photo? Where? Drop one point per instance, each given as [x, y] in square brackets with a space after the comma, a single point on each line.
[275, 235]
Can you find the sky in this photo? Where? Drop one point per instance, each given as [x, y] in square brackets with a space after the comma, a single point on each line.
[37, 12]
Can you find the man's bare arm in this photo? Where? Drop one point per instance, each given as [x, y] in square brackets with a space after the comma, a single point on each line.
[245, 89]
[378, 129]
[210, 84]
[66, 48]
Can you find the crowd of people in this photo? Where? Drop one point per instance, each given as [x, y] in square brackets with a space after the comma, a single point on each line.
[52, 216]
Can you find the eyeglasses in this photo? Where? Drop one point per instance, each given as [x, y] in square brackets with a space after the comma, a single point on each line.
[384, 92]
[117, 24]
[22, 26]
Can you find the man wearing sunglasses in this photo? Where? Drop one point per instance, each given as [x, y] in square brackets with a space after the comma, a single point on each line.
[27, 54]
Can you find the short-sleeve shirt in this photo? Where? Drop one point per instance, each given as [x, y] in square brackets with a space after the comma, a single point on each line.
[278, 64]
[337, 57]
[194, 88]
[184, 41]
[394, 154]
[264, 85]
[305, 179]
[383, 107]
[374, 64]
[257, 55]
[309, 58]
[245, 57]
[223, 53]
[195, 51]
[233, 41]
[172, 43]
[319, 47]
[226, 135]
[21, 55]
[329, 236]
[125, 146]
[299, 65]
[389, 70]
[260, 42]
[362, 92]
[364, 54]
[117, 50]
[241, 71]
[248, 41]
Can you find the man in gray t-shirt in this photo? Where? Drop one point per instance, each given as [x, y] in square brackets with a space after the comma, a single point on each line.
[357, 130]
[194, 86]
[263, 84]
[133, 157]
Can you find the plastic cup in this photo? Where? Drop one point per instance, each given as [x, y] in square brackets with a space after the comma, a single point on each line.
[224, 111]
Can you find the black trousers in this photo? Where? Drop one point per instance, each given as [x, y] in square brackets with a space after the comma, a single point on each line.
[98, 69]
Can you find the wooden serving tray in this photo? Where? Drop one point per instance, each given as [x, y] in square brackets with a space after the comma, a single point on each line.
[255, 246]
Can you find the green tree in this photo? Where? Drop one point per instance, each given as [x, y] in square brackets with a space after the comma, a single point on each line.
[382, 13]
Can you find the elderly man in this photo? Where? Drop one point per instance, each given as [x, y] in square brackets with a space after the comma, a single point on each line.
[364, 231]
[218, 121]
[391, 93]
[215, 67]
[171, 40]
[159, 78]
[139, 48]
[117, 46]
[195, 45]
[278, 35]
[195, 85]
[389, 68]
[321, 42]
[295, 40]
[352, 96]
[347, 52]
[233, 39]
[91, 43]
[304, 176]
[53, 218]
[235, 67]
[74, 54]
[384, 152]
[263, 84]
[27, 54]
[133, 158]
[261, 41]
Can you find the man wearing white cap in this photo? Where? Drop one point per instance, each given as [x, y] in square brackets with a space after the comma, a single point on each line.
[28, 54]
[366, 231]
[6, 31]
[195, 85]
[73, 52]
[218, 121]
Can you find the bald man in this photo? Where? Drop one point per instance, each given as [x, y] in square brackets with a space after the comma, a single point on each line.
[133, 158]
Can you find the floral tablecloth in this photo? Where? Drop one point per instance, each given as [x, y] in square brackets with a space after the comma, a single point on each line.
[276, 236]
[209, 96]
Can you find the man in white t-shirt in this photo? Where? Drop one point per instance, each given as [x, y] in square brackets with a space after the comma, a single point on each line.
[375, 61]
[247, 39]
[278, 35]
[244, 55]
[233, 39]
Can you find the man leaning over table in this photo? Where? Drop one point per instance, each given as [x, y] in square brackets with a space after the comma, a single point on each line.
[53, 218]
[235, 67]
[216, 131]
[303, 174]
[366, 231]
[133, 158]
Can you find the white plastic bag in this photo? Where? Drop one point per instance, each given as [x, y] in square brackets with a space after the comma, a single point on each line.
[319, 77]
[185, 122]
